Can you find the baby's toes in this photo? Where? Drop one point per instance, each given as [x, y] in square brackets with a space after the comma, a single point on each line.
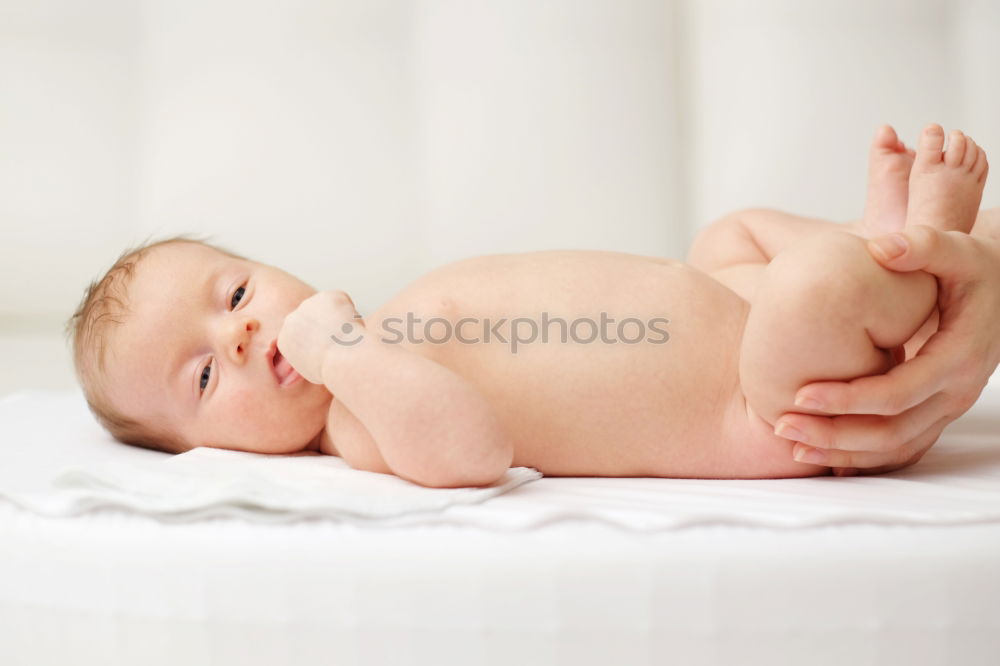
[885, 138]
[902, 149]
[971, 154]
[929, 145]
[981, 167]
[956, 149]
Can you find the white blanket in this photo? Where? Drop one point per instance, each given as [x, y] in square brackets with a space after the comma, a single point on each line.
[58, 461]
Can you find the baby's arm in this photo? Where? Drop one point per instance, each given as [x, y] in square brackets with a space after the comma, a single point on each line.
[430, 425]
[735, 249]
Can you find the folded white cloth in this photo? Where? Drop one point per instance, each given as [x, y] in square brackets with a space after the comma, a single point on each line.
[58, 461]
[206, 481]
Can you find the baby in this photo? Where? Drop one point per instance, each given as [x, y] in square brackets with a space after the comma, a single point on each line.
[575, 363]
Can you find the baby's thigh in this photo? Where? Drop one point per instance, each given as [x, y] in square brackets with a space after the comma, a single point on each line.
[807, 323]
[708, 431]
[755, 452]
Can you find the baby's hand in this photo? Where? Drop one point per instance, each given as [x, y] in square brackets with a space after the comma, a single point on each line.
[305, 335]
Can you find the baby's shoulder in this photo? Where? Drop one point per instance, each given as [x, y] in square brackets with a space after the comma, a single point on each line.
[434, 288]
[512, 277]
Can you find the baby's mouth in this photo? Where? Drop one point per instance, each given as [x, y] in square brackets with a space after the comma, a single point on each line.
[283, 370]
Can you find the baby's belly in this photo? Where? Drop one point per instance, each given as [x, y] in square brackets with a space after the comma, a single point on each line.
[674, 411]
[606, 406]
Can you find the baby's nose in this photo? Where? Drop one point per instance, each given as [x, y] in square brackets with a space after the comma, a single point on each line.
[244, 332]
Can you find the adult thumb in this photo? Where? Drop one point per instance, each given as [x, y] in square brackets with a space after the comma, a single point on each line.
[946, 254]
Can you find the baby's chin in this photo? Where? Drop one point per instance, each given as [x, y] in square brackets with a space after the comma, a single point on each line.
[270, 449]
[280, 446]
[292, 429]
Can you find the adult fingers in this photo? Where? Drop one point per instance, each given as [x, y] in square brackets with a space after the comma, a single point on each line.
[960, 355]
[864, 432]
[873, 462]
[903, 387]
[945, 254]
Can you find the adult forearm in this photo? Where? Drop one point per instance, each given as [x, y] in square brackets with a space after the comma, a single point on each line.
[430, 424]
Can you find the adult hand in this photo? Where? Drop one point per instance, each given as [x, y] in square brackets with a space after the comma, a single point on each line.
[889, 421]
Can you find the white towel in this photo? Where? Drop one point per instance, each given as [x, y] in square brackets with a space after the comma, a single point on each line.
[59, 462]
[206, 481]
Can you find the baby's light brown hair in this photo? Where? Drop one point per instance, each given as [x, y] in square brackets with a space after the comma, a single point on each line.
[104, 305]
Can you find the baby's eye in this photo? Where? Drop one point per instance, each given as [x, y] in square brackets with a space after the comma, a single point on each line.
[239, 292]
[205, 374]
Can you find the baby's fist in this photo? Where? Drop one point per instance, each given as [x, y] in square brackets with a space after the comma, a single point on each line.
[322, 320]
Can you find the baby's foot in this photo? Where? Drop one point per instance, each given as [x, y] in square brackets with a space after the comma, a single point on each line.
[946, 188]
[889, 164]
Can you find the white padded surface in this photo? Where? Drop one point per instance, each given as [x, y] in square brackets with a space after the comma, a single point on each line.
[117, 589]
[570, 586]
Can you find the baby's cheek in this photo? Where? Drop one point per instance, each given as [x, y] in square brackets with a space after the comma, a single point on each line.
[246, 405]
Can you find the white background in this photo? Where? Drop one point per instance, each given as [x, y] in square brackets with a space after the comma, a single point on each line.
[360, 144]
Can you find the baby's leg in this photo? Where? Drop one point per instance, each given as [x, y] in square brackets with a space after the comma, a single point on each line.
[826, 310]
[945, 189]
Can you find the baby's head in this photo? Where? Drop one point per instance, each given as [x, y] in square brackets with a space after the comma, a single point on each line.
[171, 350]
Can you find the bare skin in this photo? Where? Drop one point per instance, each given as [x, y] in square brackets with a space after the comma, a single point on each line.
[942, 189]
[704, 403]
[598, 409]
[946, 377]
[942, 193]
[946, 186]
[889, 166]
[767, 303]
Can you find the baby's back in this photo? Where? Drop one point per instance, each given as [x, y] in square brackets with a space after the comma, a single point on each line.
[649, 388]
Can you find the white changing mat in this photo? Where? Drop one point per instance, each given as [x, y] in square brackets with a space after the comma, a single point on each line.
[58, 461]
